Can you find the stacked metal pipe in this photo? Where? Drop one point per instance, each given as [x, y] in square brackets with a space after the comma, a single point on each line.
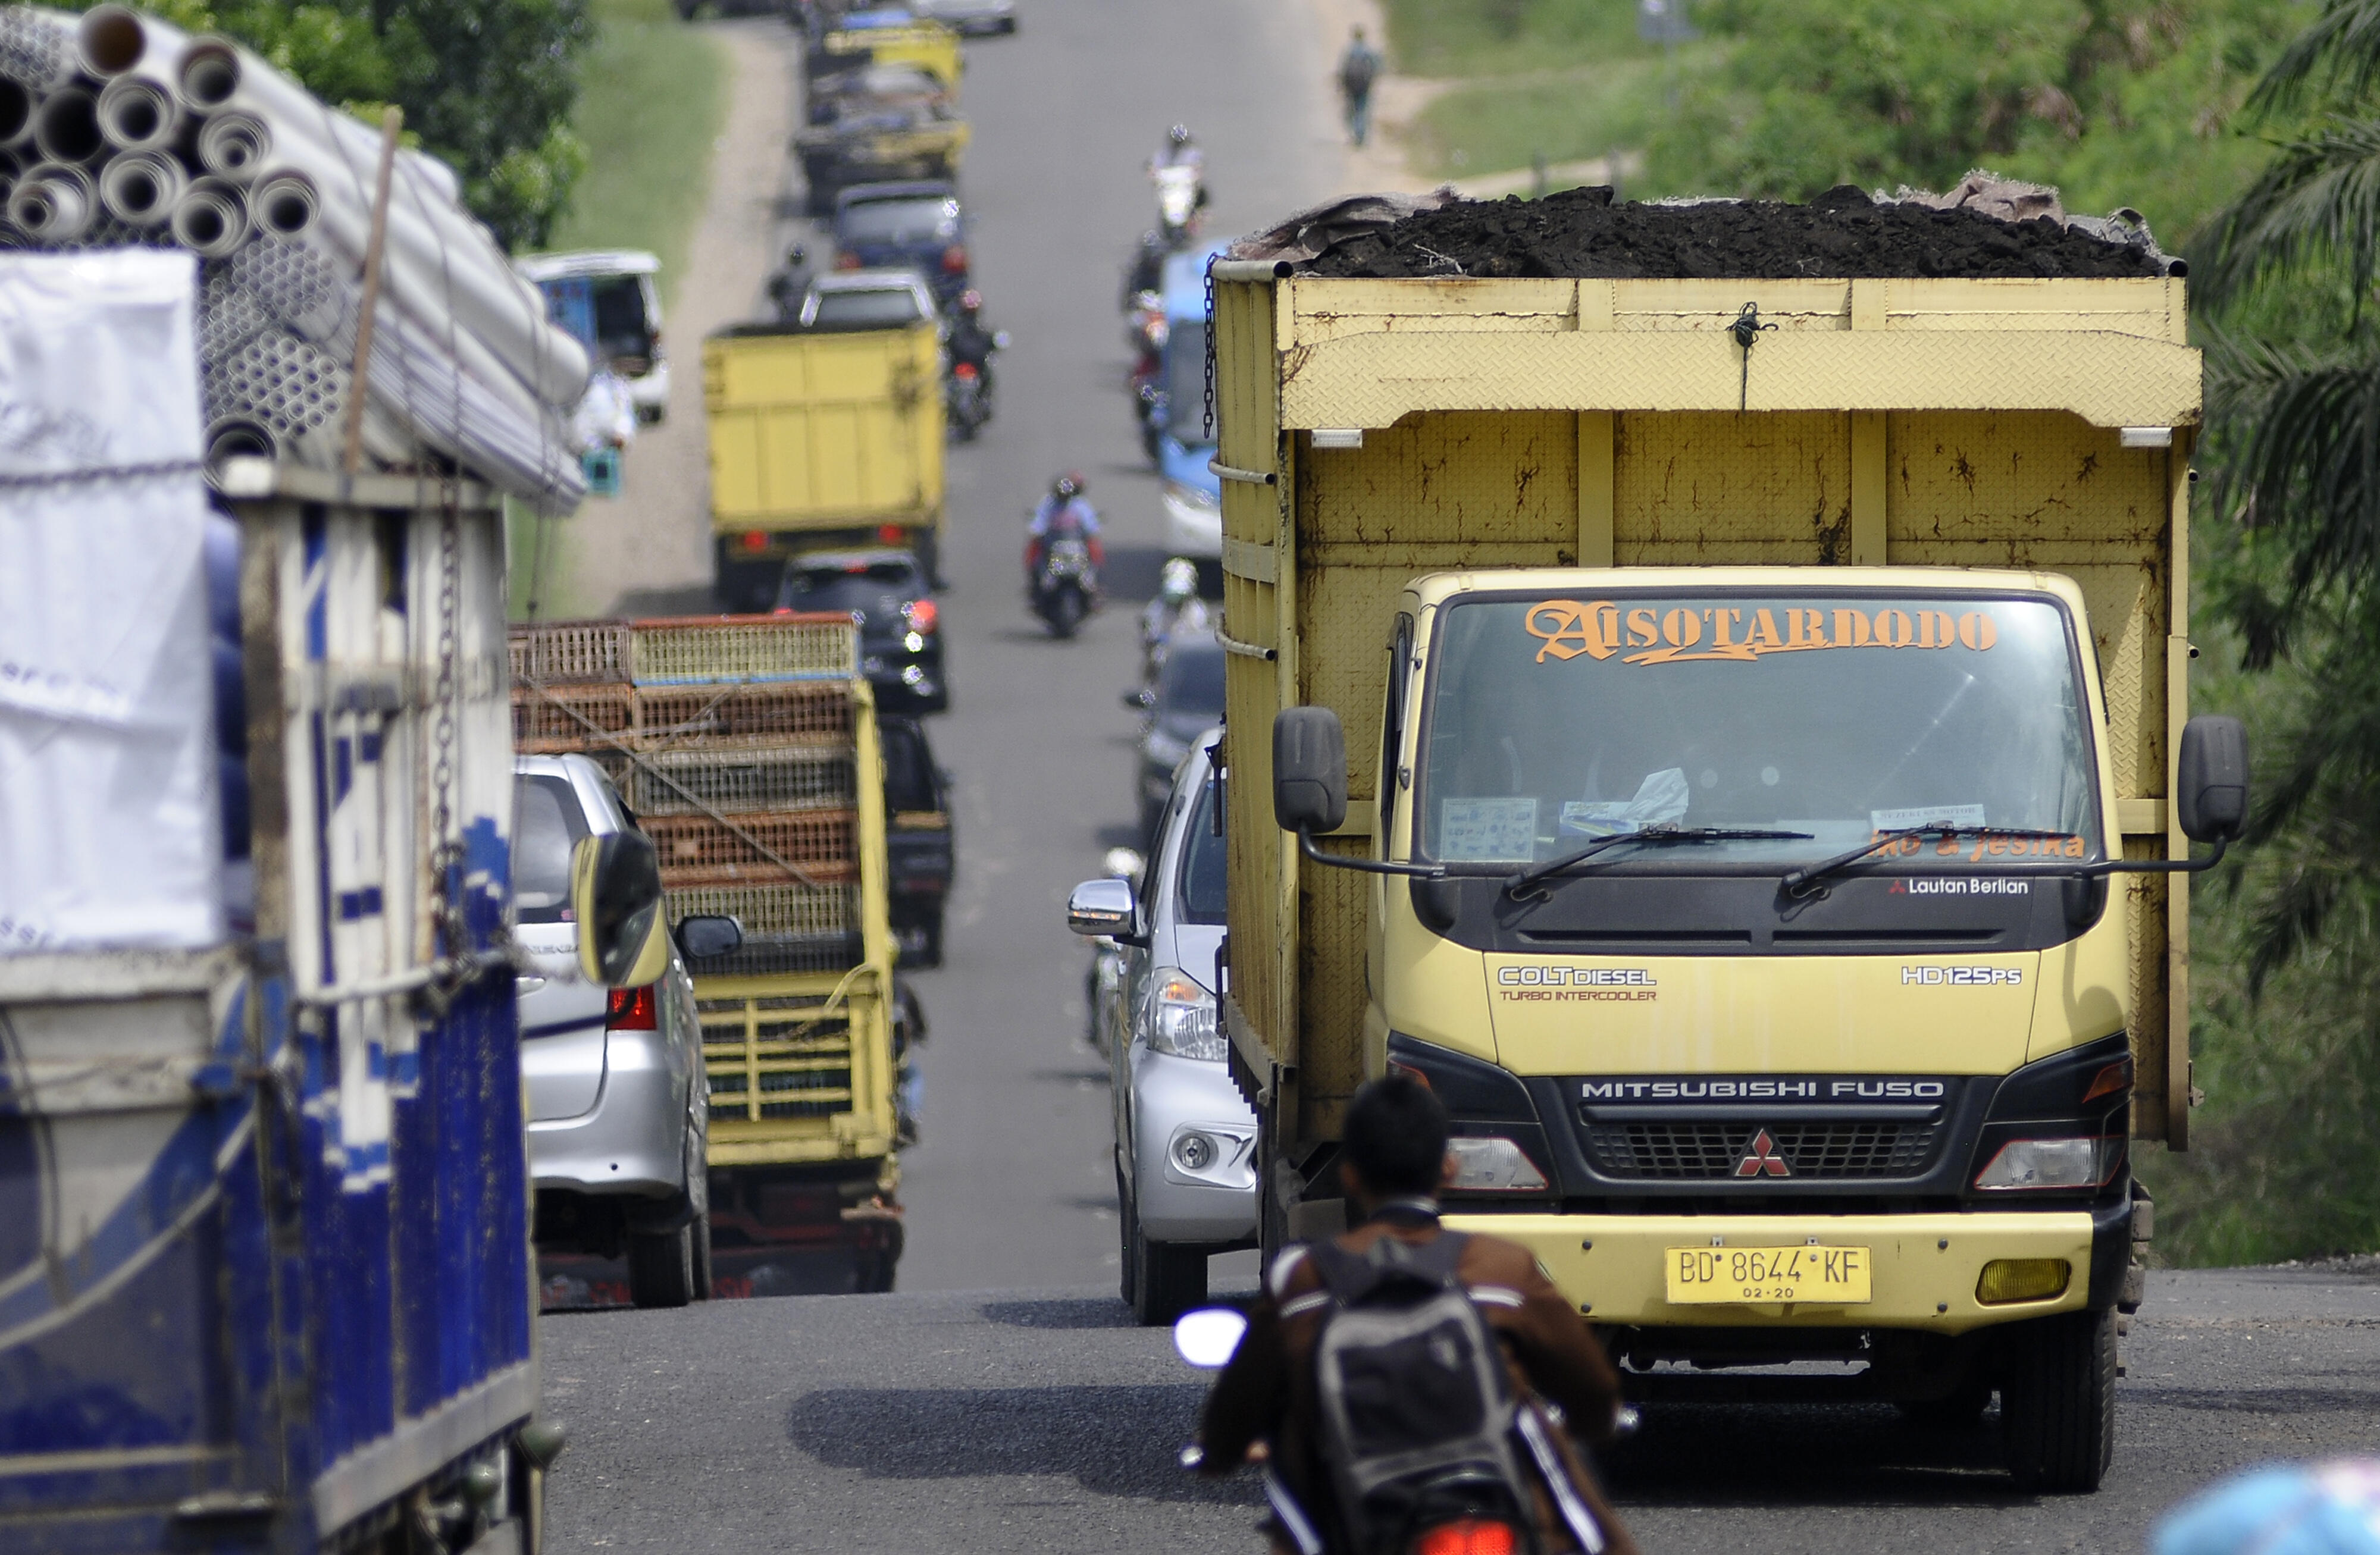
[118, 129]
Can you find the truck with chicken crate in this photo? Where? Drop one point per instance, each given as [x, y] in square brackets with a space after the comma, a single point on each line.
[1727, 738]
[747, 749]
[825, 435]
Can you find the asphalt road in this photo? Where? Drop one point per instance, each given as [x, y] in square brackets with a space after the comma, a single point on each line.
[1002, 1402]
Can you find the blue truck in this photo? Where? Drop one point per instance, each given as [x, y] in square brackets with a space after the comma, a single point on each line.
[265, 1274]
[1191, 493]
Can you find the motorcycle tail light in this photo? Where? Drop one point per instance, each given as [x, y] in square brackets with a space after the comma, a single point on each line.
[846, 260]
[954, 259]
[923, 614]
[1473, 1536]
[634, 1009]
[891, 534]
[755, 540]
[963, 370]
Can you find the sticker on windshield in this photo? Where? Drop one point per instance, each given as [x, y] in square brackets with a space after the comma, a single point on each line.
[1683, 633]
[1488, 830]
[1966, 817]
[1660, 798]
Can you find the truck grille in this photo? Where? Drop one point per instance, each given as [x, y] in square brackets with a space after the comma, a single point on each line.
[1678, 1152]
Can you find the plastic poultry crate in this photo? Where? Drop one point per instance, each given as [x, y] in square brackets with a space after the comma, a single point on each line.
[691, 715]
[570, 653]
[733, 782]
[564, 717]
[696, 850]
[788, 928]
[696, 649]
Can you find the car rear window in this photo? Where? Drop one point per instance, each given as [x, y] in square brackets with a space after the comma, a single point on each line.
[882, 307]
[864, 587]
[899, 220]
[1193, 680]
[546, 825]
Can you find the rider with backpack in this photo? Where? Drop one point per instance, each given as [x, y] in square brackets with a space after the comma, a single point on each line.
[1414, 1389]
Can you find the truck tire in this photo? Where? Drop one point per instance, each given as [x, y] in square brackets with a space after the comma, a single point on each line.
[660, 1268]
[1167, 1279]
[2057, 1401]
[702, 1277]
[930, 952]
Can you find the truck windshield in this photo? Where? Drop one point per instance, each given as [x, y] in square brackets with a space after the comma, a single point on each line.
[926, 220]
[877, 308]
[1553, 722]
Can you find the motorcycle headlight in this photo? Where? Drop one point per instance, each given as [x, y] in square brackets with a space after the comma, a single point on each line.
[2051, 1163]
[1179, 1016]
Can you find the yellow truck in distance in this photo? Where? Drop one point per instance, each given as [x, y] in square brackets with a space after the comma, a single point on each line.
[1770, 806]
[823, 439]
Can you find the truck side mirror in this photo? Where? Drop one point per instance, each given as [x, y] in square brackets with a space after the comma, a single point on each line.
[1309, 769]
[1103, 906]
[2211, 788]
[707, 936]
[616, 895]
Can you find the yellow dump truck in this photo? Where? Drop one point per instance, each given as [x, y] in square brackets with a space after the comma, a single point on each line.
[929, 45]
[746, 748]
[823, 439]
[1727, 738]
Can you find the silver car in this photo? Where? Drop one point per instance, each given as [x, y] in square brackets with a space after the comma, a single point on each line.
[618, 1103]
[1185, 1138]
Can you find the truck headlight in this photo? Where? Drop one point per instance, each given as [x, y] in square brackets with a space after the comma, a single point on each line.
[1492, 1166]
[2051, 1163]
[1179, 1016]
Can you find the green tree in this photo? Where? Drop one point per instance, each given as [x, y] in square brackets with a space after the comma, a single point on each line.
[486, 85]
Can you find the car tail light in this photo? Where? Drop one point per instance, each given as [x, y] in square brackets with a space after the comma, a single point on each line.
[634, 1009]
[846, 260]
[923, 614]
[1473, 1536]
[963, 370]
[2048, 1164]
[892, 534]
[755, 540]
[954, 259]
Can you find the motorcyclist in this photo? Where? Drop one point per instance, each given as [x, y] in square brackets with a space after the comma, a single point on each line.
[1063, 513]
[970, 342]
[1176, 608]
[790, 283]
[1181, 151]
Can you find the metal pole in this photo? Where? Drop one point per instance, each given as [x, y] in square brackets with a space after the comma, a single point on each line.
[392, 123]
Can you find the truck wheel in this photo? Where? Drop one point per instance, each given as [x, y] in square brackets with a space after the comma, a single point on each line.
[2057, 1401]
[930, 952]
[1168, 1280]
[660, 1268]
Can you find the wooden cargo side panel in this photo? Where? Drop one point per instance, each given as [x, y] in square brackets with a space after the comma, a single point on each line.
[1261, 1011]
[2049, 492]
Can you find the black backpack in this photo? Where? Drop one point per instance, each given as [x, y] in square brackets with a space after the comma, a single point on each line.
[1416, 1410]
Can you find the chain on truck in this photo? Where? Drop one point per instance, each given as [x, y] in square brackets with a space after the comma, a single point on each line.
[1744, 770]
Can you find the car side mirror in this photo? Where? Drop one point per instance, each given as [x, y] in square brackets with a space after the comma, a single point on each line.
[706, 936]
[1103, 906]
[1140, 700]
[616, 895]
[999, 340]
[1309, 769]
[2211, 784]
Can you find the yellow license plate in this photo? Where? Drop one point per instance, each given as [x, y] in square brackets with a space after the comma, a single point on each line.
[1710, 1275]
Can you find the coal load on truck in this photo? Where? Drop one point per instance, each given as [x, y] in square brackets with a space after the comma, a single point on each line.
[1986, 228]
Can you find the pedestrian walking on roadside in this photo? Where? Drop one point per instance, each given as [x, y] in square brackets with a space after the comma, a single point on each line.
[1342, 1320]
[1359, 68]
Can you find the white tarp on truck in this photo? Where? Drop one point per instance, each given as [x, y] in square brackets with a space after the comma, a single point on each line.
[110, 833]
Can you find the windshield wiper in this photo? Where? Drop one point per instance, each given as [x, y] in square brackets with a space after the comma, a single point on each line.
[1797, 881]
[1536, 873]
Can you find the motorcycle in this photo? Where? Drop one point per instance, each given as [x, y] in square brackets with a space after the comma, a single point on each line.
[1181, 192]
[1146, 334]
[1067, 587]
[967, 400]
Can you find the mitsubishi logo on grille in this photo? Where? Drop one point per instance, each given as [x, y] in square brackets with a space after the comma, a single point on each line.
[1761, 1160]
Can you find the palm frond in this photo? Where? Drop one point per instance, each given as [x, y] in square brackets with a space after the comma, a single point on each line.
[2340, 53]
[2307, 468]
[2318, 199]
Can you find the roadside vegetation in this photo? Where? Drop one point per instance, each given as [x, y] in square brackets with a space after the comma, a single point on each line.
[2248, 131]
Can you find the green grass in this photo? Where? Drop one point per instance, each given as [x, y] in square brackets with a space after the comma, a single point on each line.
[654, 94]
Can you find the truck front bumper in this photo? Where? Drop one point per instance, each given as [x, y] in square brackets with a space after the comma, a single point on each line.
[1925, 1268]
